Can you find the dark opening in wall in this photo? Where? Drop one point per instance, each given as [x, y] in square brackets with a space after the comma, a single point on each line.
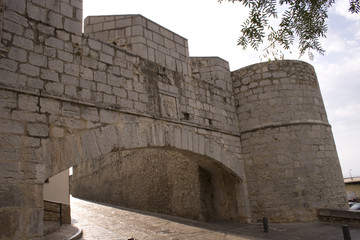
[206, 195]
[210, 122]
[186, 116]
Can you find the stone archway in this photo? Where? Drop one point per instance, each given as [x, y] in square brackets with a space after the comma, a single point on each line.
[162, 180]
[221, 191]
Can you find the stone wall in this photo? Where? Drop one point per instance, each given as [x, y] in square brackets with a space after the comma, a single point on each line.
[68, 98]
[287, 144]
[142, 36]
[159, 180]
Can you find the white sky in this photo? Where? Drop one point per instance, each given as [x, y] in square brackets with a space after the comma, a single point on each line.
[212, 29]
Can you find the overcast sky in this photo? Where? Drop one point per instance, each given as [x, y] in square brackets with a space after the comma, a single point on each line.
[212, 29]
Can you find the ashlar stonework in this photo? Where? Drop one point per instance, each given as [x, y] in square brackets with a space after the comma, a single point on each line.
[125, 102]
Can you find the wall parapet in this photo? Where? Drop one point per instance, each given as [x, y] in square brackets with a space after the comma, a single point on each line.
[142, 36]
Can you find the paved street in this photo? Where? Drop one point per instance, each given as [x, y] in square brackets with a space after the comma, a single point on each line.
[108, 223]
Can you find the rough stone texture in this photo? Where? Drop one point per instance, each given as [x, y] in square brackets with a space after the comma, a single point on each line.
[142, 36]
[287, 142]
[68, 98]
[158, 180]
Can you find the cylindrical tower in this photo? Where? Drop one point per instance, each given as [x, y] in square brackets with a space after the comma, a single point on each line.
[291, 163]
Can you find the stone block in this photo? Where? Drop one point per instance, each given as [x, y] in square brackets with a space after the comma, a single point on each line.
[71, 91]
[177, 136]
[89, 145]
[128, 137]
[73, 26]
[34, 83]
[7, 100]
[103, 88]
[201, 140]
[100, 76]
[66, 10]
[79, 15]
[109, 99]
[28, 102]
[49, 75]
[16, 5]
[17, 54]
[56, 20]
[8, 64]
[153, 26]
[30, 70]
[140, 106]
[36, 12]
[90, 62]
[69, 80]
[107, 139]
[120, 92]
[106, 48]
[56, 65]
[160, 57]
[109, 117]
[76, 3]
[106, 58]
[85, 94]
[96, 45]
[37, 59]
[121, 23]
[90, 114]
[65, 56]
[108, 25]
[38, 130]
[11, 126]
[54, 42]
[55, 87]
[48, 105]
[72, 69]
[50, 52]
[13, 27]
[86, 73]
[97, 28]
[91, 85]
[70, 110]
[127, 73]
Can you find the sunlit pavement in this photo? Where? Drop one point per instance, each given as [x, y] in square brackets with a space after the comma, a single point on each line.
[106, 222]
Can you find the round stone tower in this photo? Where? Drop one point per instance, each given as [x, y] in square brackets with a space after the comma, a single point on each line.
[291, 163]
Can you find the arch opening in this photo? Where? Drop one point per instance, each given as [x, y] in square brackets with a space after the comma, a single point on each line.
[162, 180]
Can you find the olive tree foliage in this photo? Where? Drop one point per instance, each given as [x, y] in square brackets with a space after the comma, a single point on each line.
[304, 20]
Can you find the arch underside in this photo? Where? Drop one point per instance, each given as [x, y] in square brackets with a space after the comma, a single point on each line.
[162, 180]
[153, 165]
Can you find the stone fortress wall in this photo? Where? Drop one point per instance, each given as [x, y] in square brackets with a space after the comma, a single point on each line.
[286, 140]
[73, 99]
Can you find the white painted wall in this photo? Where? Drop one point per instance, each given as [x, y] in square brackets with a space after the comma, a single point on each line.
[57, 190]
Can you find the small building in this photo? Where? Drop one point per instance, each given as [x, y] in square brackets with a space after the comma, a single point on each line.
[352, 186]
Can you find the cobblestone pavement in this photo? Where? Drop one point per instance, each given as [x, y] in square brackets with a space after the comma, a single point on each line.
[106, 222]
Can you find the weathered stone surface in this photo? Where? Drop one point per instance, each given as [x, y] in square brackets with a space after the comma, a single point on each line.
[283, 142]
[161, 181]
[127, 84]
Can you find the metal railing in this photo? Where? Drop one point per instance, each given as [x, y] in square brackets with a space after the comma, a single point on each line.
[58, 212]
